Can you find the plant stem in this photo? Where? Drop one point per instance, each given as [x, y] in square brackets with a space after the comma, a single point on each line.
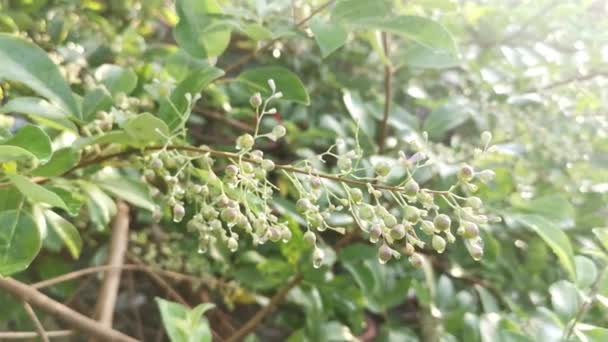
[39, 328]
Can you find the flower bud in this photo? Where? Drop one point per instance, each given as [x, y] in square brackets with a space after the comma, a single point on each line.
[398, 231]
[375, 232]
[474, 202]
[255, 100]
[382, 169]
[366, 212]
[178, 212]
[470, 230]
[245, 142]
[416, 260]
[466, 173]
[303, 205]
[267, 164]
[412, 214]
[476, 251]
[486, 176]
[409, 249]
[232, 244]
[230, 215]
[442, 222]
[344, 163]
[156, 163]
[317, 257]
[272, 85]
[428, 227]
[315, 183]
[279, 131]
[310, 238]
[385, 253]
[438, 243]
[356, 194]
[411, 188]
[231, 171]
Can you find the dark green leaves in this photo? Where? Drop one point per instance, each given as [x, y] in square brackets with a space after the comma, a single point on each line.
[174, 110]
[40, 111]
[198, 31]
[286, 81]
[20, 241]
[24, 62]
[445, 118]
[61, 161]
[355, 10]
[146, 128]
[329, 36]
[183, 324]
[116, 79]
[34, 140]
[66, 232]
[36, 193]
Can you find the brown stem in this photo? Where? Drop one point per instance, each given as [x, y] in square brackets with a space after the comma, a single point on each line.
[254, 53]
[230, 122]
[39, 328]
[259, 316]
[18, 335]
[56, 309]
[388, 94]
[118, 247]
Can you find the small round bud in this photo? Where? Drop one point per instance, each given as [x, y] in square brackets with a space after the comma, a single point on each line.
[476, 251]
[428, 227]
[375, 232]
[232, 244]
[317, 257]
[474, 202]
[385, 253]
[409, 249]
[310, 238]
[286, 234]
[438, 243]
[267, 164]
[470, 230]
[411, 188]
[389, 220]
[416, 260]
[366, 212]
[178, 212]
[487, 176]
[466, 173]
[356, 194]
[272, 85]
[231, 171]
[230, 215]
[245, 142]
[279, 131]
[398, 231]
[255, 100]
[316, 183]
[382, 169]
[344, 163]
[156, 163]
[442, 222]
[303, 205]
[412, 214]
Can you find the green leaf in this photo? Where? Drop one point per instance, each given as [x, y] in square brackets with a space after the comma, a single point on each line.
[146, 128]
[286, 82]
[445, 118]
[198, 31]
[328, 35]
[565, 299]
[420, 56]
[183, 324]
[487, 300]
[602, 235]
[32, 139]
[20, 241]
[8, 153]
[40, 111]
[61, 161]
[100, 206]
[175, 110]
[425, 32]
[95, 100]
[36, 193]
[133, 192]
[66, 231]
[24, 62]
[356, 10]
[116, 78]
[256, 31]
[554, 237]
[554, 207]
[586, 272]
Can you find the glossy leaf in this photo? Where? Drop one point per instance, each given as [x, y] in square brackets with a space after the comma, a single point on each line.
[198, 32]
[445, 118]
[131, 191]
[95, 100]
[146, 128]
[34, 140]
[328, 35]
[35, 192]
[564, 299]
[117, 79]
[286, 82]
[24, 62]
[61, 161]
[66, 232]
[183, 324]
[40, 111]
[20, 241]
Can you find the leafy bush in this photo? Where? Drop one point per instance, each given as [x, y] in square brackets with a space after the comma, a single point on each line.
[304, 171]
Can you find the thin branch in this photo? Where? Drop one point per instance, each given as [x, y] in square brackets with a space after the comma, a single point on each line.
[72, 318]
[388, 94]
[245, 59]
[118, 247]
[39, 328]
[578, 78]
[595, 288]
[219, 117]
[18, 335]
[259, 316]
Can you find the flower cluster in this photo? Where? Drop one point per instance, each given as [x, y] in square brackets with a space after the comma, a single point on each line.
[228, 194]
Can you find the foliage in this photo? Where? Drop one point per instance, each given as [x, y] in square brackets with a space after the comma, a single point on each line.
[287, 154]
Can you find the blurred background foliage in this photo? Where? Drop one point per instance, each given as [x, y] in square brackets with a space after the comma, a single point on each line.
[534, 73]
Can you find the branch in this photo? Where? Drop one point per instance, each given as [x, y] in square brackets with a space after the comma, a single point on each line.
[160, 281]
[69, 316]
[586, 305]
[388, 92]
[259, 316]
[118, 247]
[39, 328]
[17, 335]
[230, 122]
[254, 53]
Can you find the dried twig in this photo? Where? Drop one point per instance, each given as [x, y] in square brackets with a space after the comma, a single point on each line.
[39, 328]
[18, 335]
[62, 312]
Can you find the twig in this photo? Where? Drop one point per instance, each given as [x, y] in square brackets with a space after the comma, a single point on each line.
[254, 53]
[388, 94]
[17, 335]
[259, 316]
[118, 247]
[586, 305]
[39, 328]
[69, 316]
[578, 78]
[134, 308]
[231, 122]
